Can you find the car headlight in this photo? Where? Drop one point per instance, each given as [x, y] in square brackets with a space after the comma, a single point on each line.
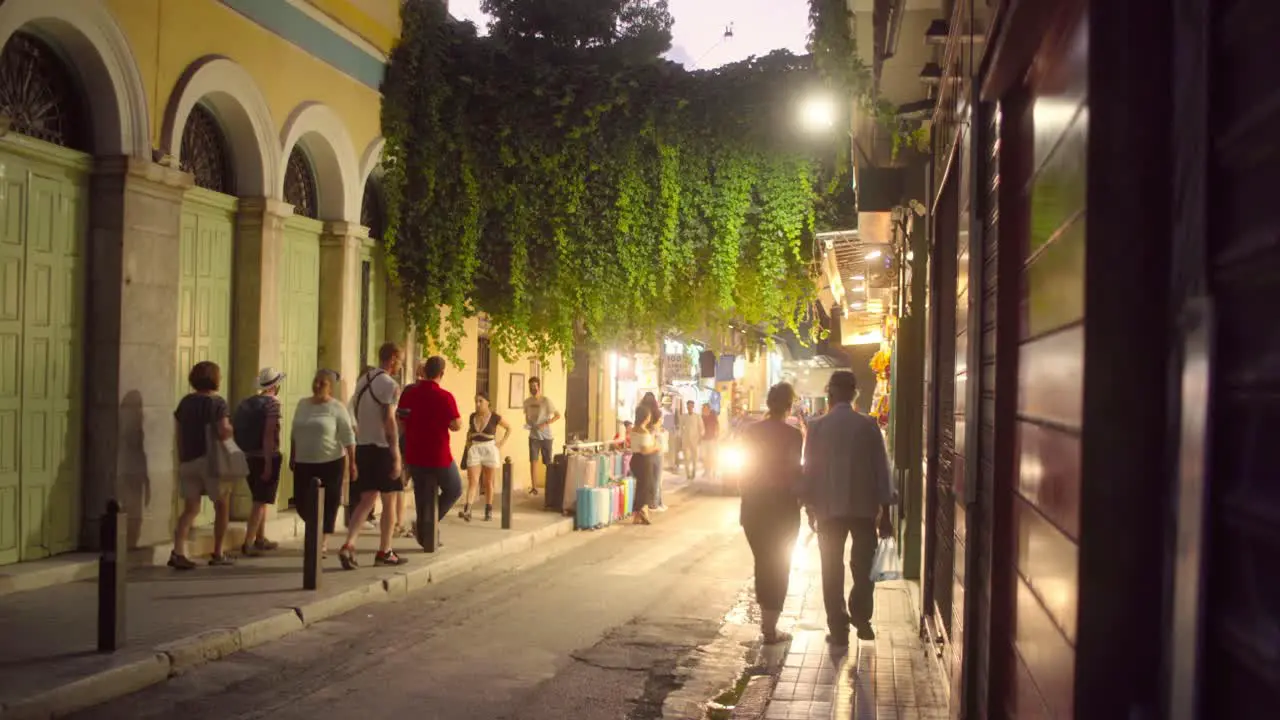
[733, 458]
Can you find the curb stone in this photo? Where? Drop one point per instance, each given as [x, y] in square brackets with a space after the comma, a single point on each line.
[92, 690]
[178, 656]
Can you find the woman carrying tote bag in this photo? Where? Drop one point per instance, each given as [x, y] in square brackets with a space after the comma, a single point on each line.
[208, 462]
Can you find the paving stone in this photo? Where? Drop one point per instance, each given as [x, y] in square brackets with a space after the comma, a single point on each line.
[890, 677]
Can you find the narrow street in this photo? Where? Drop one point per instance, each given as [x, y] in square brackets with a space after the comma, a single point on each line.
[592, 630]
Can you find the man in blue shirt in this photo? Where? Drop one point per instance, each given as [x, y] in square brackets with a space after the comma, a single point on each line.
[847, 488]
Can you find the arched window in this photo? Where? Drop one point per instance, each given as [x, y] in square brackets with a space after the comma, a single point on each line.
[204, 152]
[300, 184]
[39, 94]
[372, 213]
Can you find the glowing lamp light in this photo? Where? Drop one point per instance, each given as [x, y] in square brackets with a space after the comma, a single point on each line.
[873, 254]
[818, 113]
[733, 458]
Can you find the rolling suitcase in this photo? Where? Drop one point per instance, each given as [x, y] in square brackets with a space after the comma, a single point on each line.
[554, 494]
[584, 509]
[600, 498]
[629, 502]
[619, 502]
[618, 470]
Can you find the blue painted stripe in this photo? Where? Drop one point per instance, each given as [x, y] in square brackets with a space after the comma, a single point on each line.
[311, 35]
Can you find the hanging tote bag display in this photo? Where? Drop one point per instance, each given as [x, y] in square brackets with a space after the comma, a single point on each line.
[602, 470]
[573, 480]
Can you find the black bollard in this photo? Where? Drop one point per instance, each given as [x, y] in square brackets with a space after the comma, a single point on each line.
[112, 567]
[426, 494]
[506, 494]
[314, 534]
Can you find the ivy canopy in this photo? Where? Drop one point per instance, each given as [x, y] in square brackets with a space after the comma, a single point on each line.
[561, 178]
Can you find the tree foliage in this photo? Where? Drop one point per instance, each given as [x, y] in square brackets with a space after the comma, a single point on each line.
[561, 178]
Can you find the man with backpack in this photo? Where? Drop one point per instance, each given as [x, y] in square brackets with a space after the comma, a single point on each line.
[257, 432]
[378, 458]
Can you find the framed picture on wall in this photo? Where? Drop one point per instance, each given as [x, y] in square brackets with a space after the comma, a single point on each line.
[516, 391]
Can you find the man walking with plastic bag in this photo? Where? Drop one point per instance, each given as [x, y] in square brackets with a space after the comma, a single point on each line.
[847, 491]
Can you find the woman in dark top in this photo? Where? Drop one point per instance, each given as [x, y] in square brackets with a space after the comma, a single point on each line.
[201, 415]
[483, 454]
[770, 513]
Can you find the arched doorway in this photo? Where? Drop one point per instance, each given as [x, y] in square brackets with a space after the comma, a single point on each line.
[299, 291]
[205, 256]
[44, 174]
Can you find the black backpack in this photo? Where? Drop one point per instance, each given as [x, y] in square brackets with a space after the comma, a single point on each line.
[250, 422]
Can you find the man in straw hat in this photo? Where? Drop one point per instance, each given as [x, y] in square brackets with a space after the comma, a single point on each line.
[257, 432]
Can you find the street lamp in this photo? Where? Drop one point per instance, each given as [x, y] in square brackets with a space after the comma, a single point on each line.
[818, 113]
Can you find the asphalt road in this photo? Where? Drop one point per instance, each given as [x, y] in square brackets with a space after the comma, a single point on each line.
[590, 626]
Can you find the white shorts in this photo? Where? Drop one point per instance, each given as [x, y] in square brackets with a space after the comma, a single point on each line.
[484, 454]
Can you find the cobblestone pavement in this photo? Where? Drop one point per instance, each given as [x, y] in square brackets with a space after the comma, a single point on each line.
[890, 678]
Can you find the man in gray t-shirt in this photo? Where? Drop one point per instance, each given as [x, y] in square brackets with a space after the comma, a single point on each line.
[539, 413]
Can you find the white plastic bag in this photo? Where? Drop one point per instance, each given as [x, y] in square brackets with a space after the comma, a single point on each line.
[887, 565]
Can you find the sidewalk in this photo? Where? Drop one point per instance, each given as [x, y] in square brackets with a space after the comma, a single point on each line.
[890, 677]
[48, 662]
[49, 666]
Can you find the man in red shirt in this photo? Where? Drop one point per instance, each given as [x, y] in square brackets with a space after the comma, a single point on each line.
[429, 413]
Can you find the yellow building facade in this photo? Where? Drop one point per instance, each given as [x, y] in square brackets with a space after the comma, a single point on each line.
[184, 180]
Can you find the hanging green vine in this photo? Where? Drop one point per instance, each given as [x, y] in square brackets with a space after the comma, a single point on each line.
[575, 188]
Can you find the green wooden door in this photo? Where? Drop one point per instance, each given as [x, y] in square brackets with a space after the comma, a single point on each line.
[41, 349]
[300, 323]
[376, 310]
[204, 295]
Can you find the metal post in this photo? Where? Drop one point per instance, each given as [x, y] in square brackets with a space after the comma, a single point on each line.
[112, 567]
[506, 493]
[311, 572]
[426, 495]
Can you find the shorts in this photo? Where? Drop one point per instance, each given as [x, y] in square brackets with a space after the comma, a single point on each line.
[263, 491]
[194, 481]
[484, 454]
[374, 465]
[542, 447]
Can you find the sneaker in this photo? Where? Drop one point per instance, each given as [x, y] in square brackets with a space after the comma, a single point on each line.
[221, 560]
[488, 513]
[180, 562]
[388, 558]
[465, 514]
[250, 551]
[660, 508]
[265, 544]
[347, 556]
[866, 633]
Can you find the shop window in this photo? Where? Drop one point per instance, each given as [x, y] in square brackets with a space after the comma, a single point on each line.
[483, 355]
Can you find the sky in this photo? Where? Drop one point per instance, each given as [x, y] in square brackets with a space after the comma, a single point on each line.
[759, 26]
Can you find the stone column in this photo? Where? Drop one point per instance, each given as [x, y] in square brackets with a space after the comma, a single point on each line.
[255, 328]
[340, 246]
[135, 221]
